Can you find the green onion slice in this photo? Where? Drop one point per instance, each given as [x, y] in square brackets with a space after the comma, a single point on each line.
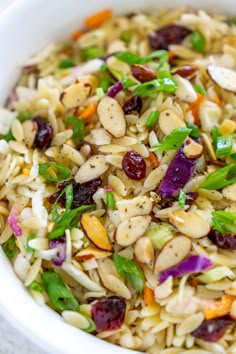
[35, 286]
[172, 141]
[92, 53]
[29, 249]
[194, 130]
[198, 41]
[110, 200]
[224, 221]
[164, 83]
[130, 58]
[182, 198]
[126, 36]
[9, 247]
[221, 178]
[200, 89]
[152, 119]
[66, 63]
[54, 172]
[224, 145]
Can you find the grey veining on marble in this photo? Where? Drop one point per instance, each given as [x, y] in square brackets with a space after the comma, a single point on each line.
[14, 342]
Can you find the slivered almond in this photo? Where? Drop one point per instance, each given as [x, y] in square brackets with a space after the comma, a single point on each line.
[141, 205]
[75, 95]
[143, 73]
[111, 116]
[143, 250]
[170, 120]
[130, 230]
[92, 169]
[223, 77]
[173, 252]
[189, 223]
[185, 91]
[96, 232]
[91, 252]
[193, 150]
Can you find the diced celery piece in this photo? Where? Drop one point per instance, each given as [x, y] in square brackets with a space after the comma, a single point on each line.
[216, 274]
[160, 233]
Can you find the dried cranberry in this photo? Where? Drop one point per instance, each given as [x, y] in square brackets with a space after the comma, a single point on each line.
[133, 105]
[213, 330]
[60, 244]
[163, 37]
[134, 165]
[82, 193]
[142, 73]
[108, 313]
[44, 133]
[222, 241]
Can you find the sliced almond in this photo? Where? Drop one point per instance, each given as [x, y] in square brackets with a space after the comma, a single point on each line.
[96, 232]
[91, 252]
[223, 77]
[229, 192]
[170, 120]
[92, 169]
[185, 91]
[193, 150]
[173, 252]
[30, 129]
[90, 80]
[111, 116]
[141, 205]
[130, 230]
[144, 250]
[189, 223]
[75, 95]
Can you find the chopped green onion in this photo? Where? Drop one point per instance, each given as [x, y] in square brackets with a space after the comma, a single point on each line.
[224, 145]
[130, 271]
[194, 130]
[215, 133]
[99, 92]
[216, 274]
[126, 81]
[106, 82]
[78, 129]
[35, 286]
[233, 156]
[92, 327]
[198, 41]
[54, 172]
[126, 36]
[68, 191]
[164, 83]
[233, 20]
[200, 89]
[152, 119]
[224, 221]
[61, 297]
[92, 53]
[8, 136]
[29, 249]
[172, 141]
[9, 247]
[66, 63]
[23, 116]
[221, 178]
[110, 200]
[130, 58]
[182, 198]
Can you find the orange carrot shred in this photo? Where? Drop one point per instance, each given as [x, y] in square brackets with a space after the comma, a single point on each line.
[97, 19]
[219, 308]
[148, 295]
[77, 34]
[194, 107]
[153, 159]
[217, 100]
[88, 112]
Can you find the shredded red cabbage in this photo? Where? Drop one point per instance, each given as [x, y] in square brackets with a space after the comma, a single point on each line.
[115, 89]
[60, 244]
[13, 219]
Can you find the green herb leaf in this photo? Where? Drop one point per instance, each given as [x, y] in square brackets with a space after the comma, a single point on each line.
[60, 172]
[164, 83]
[182, 198]
[221, 178]
[29, 249]
[35, 286]
[215, 133]
[66, 63]
[194, 130]
[110, 200]
[130, 58]
[130, 271]
[152, 119]
[200, 89]
[23, 116]
[224, 221]
[172, 141]
[61, 297]
[224, 145]
[92, 53]
[9, 247]
[126, 36]
[198, 41]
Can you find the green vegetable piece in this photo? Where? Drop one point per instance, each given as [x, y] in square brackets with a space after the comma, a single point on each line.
[198, 41]
[78, 131]
[66, 63]
[99, 92]
[68, 191]
[160, 234]
[152, 119]
[182, 198]
[61, 172]
[233, 156]
[200, 89]
[110, 200]
[126, 81]
[29, 249]
[92, 53]
[9, 247]
[224, 145]
[23, 116]
[215, 133]
[164, 83]
[8, 136]
[61, 297]
[35, 286]
[126, 36]
[105, 83]
[130, 58]
[172, 141]
[216, 274]
[194, 130]
[130, 271]
[221, 178]
[224, 221]
[233, 21]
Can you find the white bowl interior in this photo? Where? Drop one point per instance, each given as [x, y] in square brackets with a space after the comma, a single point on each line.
[26, 27]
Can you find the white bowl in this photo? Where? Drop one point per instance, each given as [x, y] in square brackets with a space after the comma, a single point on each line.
[25, 28]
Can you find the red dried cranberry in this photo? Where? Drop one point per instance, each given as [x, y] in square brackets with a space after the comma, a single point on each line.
[163, 37]
[222, 241]
[44, 133]
[82, 193]
[108, 313]
[134, 165]
[133, 105]
[213, 330]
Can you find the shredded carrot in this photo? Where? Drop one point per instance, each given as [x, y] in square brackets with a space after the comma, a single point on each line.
[148, 295]
[77, 34]
[153, 159]
[97, 19]
[217, 100]
[194, 106]
[88, 112]
[219, 308]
